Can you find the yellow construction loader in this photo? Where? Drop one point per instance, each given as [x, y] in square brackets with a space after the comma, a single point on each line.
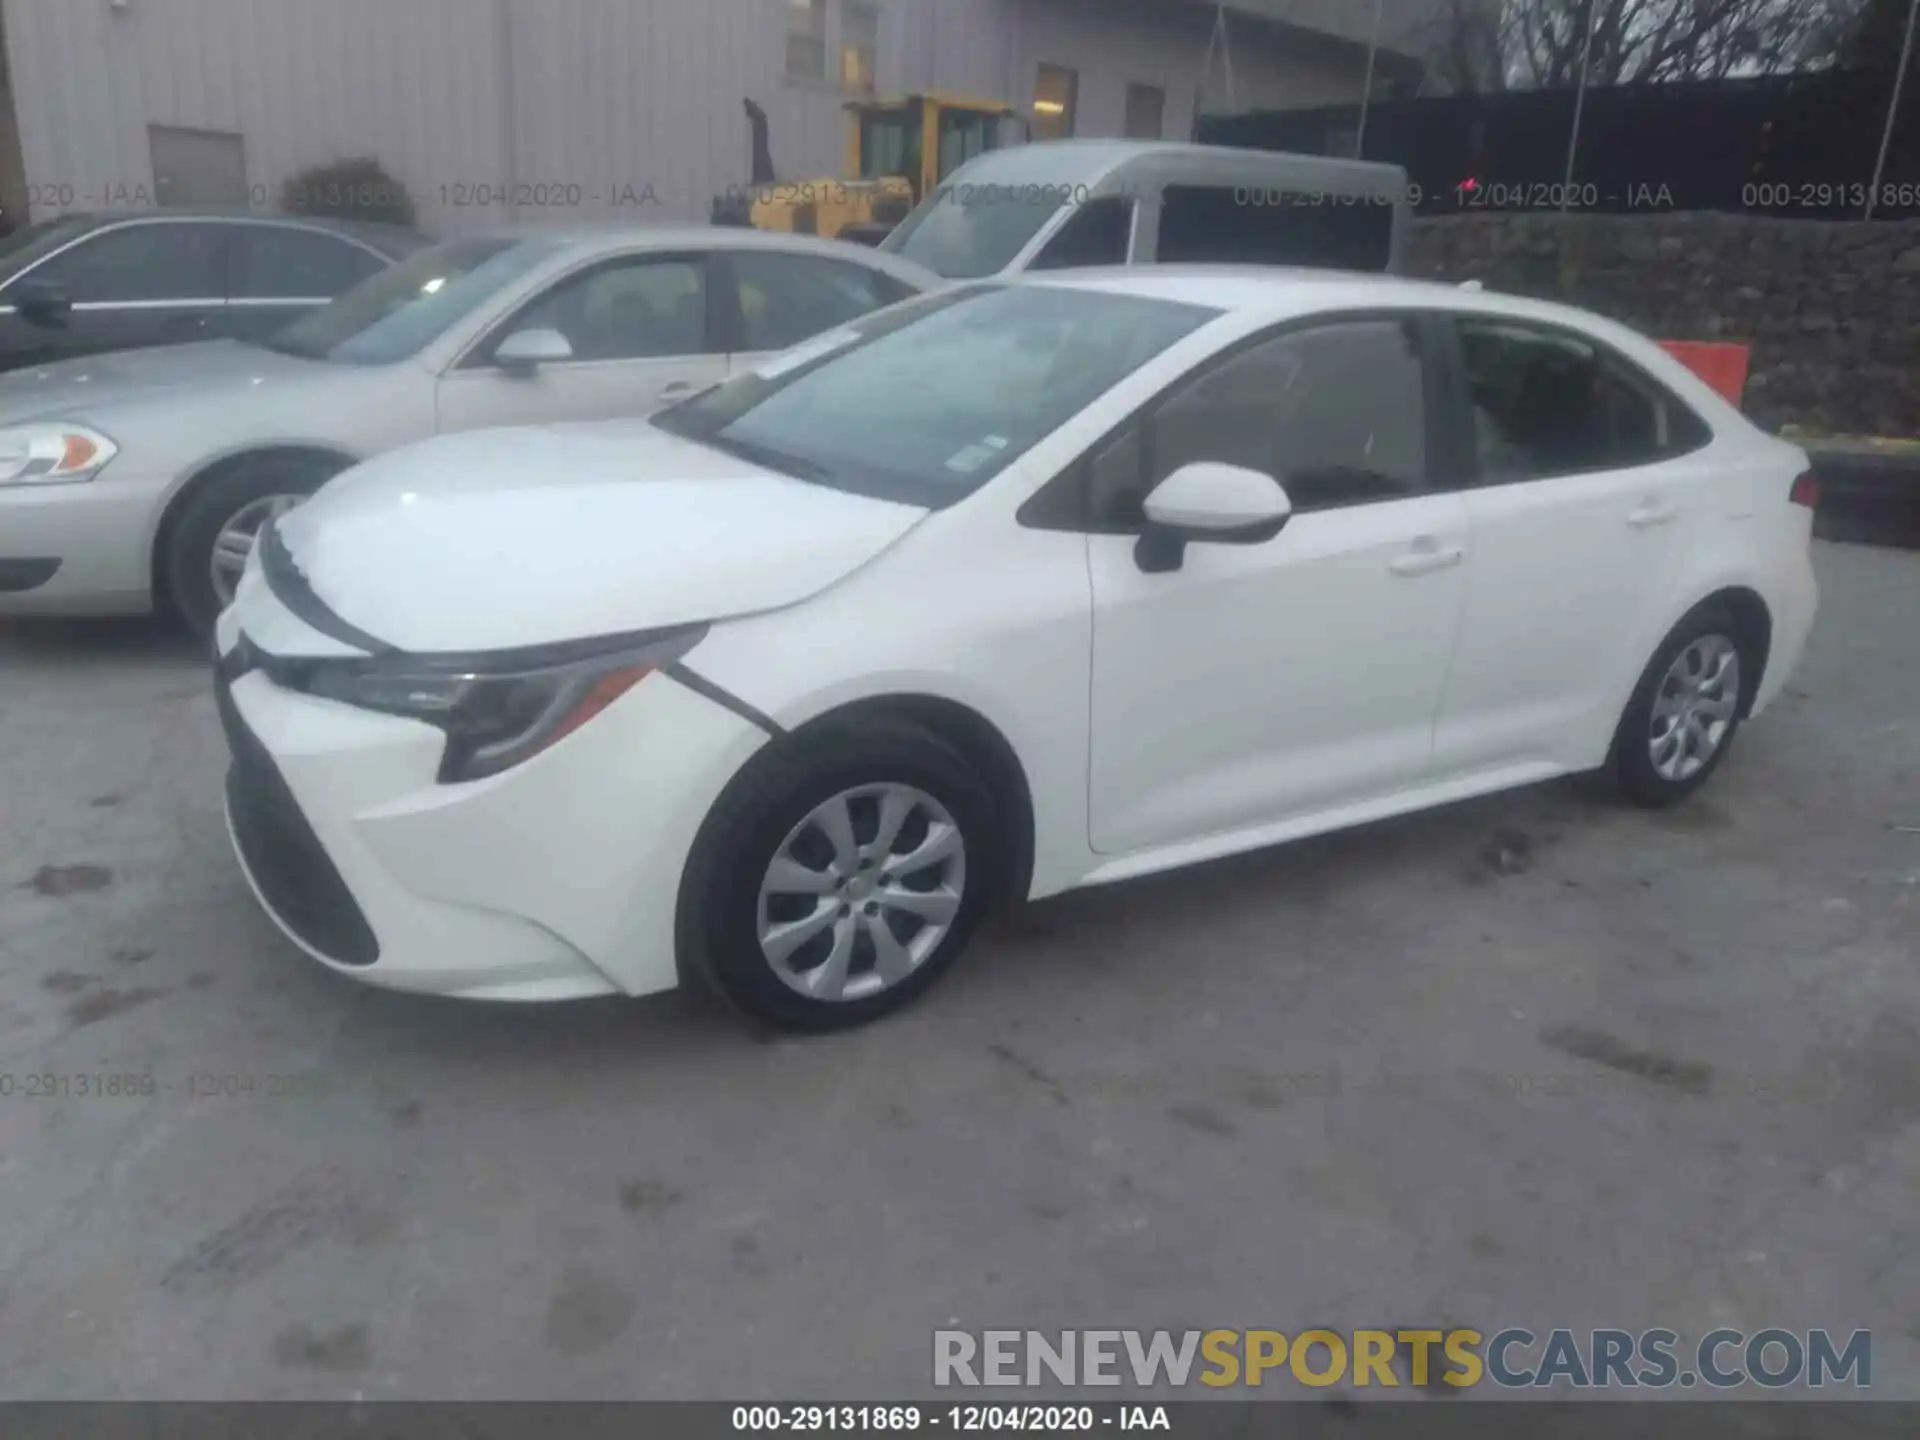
[897, 150]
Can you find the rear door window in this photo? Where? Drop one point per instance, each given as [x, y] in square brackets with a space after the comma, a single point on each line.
[1547, 402]
[282, 262]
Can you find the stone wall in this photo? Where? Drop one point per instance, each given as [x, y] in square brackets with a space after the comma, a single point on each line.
[1832, 309]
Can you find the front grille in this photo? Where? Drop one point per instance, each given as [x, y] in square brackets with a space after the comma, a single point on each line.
[296, 878]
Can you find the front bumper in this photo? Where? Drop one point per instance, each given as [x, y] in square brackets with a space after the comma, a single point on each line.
[90, 545]
[555, 880]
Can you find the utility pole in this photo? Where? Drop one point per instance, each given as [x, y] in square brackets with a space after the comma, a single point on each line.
[1219, 40]
[1893, 107]
[1580, 100]
[509, 101]
[1366, 95]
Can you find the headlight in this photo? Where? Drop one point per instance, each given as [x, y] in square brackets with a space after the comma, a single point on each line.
[52, 454]
[496, 711]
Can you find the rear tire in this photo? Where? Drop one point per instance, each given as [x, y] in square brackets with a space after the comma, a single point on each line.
[1686, 709]
[215, 518]
[772, 910]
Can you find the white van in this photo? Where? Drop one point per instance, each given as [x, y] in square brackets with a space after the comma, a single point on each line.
[1064, 203]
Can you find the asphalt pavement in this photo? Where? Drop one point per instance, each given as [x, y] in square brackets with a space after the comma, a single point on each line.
[1538, 1060]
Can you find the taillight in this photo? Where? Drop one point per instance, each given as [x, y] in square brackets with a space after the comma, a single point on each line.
[1805, 491]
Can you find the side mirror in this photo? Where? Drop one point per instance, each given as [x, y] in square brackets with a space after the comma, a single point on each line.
[41, 301]
[525, 351]
[1208, 502]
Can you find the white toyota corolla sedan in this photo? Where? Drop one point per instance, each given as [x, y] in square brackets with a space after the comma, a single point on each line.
[1002, 591]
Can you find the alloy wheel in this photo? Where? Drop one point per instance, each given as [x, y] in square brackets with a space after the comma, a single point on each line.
[1694, 707]
[235, 542]
[861, 892]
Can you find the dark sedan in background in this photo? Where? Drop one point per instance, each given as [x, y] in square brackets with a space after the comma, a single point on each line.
[79, 284]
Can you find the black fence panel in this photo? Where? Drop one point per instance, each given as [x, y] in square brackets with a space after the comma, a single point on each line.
[1799, 147]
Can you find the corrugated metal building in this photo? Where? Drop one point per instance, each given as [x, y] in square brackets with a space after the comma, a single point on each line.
[491, 111]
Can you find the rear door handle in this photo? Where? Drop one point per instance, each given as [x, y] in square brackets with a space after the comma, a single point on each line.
[1653, 512]
[1425, 557]
[678, 387]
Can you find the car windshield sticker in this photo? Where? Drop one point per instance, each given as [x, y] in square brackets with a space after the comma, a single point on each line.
[970, 458]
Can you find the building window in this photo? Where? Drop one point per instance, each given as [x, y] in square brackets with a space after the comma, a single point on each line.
[1146, 112]
[807, 39]
[859, 45]
[1054, 93]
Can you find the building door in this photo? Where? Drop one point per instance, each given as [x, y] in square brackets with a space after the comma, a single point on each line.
[197, 167]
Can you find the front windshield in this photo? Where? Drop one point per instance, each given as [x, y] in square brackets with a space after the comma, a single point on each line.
[397, 313]
[965, 231]
[926, 402]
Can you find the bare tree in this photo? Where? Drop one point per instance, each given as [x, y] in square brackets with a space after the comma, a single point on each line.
[1497, 44]
[1873, 40]
[1465, 45]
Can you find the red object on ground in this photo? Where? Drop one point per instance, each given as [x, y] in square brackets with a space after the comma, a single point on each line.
[1720, 364]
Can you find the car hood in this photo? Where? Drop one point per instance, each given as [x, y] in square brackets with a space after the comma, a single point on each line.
[78, 389]
[498, 539]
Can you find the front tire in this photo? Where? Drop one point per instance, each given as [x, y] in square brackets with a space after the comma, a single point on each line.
[840, 876]
[210, 539]
[1686, 709]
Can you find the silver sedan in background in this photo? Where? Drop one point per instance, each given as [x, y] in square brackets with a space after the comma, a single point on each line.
[139, 479]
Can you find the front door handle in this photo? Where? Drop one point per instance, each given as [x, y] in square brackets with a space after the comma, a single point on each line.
[676, 389]
[1425, 557]
[1652, 512]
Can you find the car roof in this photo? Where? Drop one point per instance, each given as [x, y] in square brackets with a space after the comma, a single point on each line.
[1280, 292]
[1092, 159]
[395, 240]
[583, 241]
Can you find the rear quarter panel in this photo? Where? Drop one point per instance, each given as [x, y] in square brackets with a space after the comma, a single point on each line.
[1743, 532]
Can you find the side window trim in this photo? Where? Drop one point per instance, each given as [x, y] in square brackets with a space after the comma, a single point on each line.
[726, 322]
[74, 243]
[1452, 454]
[1607, 357]
[1053, 511]
[477, 355]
